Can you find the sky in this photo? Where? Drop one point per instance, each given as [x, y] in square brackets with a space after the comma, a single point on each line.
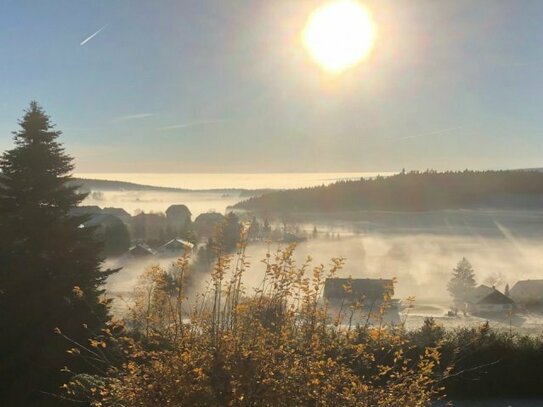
[226, 86]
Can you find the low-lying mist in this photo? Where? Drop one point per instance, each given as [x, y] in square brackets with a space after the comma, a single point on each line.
[420, 249]
[422, 263]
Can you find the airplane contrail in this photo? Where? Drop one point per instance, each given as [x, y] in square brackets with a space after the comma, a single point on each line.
[130, 117]
[91, 36]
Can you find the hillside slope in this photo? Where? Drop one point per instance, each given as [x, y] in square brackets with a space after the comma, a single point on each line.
[414, 191]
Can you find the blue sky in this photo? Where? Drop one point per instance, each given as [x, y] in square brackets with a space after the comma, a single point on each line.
[225, 86]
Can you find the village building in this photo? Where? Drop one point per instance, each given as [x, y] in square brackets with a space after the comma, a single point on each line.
[487, 300]
[175, 246]
[178, 216]
[528, 293]
[148, 226]
[207, 224]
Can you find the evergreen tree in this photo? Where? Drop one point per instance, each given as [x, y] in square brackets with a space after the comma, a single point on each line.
[462, 281]
[506, 291]
[50, 274]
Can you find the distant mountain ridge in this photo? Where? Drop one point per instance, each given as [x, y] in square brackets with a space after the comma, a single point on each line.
[413, 191]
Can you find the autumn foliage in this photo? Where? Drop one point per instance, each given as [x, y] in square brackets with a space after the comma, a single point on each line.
[276, 346]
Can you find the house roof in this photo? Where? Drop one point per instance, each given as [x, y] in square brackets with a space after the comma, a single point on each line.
[480, 292]
[369, 288]
[209, 217]
[120, 212]
[178, 209]
[103, 219]
[527, 290]
[141, 249]
[496, 297]
[175, 244]
[85, 210]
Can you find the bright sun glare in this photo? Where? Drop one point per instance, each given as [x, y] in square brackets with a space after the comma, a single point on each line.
[339, 34]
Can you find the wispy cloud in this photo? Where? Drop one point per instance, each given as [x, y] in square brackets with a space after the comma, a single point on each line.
[131, 117]
[190, 124]
[90, 37]
[430, 134]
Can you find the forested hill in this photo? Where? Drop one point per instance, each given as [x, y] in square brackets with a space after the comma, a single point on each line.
[88, 185]
[106, 185]
[413, 191]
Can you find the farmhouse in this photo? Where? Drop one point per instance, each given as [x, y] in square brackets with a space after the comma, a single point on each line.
[371, 291]
[488, 300]
[528, 293]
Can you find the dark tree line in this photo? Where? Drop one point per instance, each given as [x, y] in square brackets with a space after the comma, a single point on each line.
[413, 191]
[50, 270]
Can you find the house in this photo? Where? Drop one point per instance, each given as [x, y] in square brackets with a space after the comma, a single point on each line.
[483, 301]
[141, 250]
[148, 226]
[176, 246]
[207, 224]
[178, 216]
[528, 293]
[118, 212]
[372, 291]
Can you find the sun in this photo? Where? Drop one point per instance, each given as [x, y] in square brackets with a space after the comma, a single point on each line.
[339, 34]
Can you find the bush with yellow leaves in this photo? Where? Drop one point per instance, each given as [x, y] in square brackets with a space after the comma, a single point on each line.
[276, 347]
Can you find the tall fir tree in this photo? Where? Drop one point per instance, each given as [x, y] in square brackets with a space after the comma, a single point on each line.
[50, 270]
[462, 281]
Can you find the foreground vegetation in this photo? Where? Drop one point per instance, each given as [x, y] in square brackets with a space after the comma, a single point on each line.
[275, 347]
[281, 346]
[413, 191]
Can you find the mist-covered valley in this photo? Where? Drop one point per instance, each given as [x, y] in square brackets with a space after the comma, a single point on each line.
[419, 249]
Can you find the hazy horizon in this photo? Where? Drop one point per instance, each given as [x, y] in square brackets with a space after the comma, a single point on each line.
[203, 181]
